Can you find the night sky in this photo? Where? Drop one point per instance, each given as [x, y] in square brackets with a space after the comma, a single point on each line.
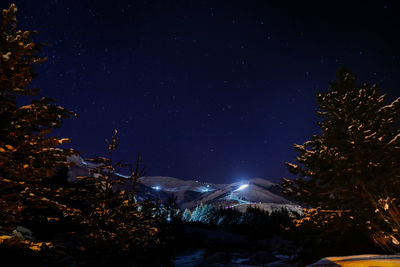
[214, 91]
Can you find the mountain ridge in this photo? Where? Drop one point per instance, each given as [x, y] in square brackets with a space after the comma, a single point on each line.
[190, 193]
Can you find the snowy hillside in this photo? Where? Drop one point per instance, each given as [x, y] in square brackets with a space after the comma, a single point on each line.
[188, 193]
[82, 168]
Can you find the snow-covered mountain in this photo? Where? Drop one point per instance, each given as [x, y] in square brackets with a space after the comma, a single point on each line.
[257, 191]
[82, 168]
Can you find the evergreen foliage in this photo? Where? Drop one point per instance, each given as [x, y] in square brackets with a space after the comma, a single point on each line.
[196, 214]
[186, 215]
[253, 222]
[28, 154]
[44, 219]
[203, 214]
[207, 214]
[354, 163]
[113, 219]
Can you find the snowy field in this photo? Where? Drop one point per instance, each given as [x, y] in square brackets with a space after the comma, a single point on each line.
[359, 260]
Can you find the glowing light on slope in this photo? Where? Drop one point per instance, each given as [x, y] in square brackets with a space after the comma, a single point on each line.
[243, 186]
[204, 189]
[156, 188]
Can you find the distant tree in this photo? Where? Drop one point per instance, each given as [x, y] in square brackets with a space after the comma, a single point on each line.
[186, 215]
[207, 215]
[196, 214]
[353, 163]
[28, 154]
[255, 216]
[227, 217]
[171, 209]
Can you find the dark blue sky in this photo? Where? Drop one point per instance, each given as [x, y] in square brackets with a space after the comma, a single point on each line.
[207, 90]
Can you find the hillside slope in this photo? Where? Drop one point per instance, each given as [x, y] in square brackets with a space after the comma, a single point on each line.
[189, 193]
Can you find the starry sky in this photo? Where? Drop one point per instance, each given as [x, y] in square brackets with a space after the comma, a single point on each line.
[214, 91]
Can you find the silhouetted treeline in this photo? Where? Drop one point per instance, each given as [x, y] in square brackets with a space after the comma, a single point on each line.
[254, 221]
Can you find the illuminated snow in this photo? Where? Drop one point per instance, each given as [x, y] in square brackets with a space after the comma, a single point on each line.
[123, 176]
[360, 260]
[237, 193]
[242, 187]
[204, 189]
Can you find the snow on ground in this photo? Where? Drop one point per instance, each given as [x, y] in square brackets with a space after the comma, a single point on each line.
[192, 258]
[359, 260]
[228, 249]
[196, 258]
[189, 259]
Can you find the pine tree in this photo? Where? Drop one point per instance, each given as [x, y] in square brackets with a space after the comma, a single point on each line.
[114, 220]
[355, 161]
[196, 214]
[186, 215]
[208, 214]
[28, 154]
[106, 219]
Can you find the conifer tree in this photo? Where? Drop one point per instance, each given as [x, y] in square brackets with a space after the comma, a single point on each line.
[28, 154]
[186, 215]
[207, 215]
[196, 214]
[115, 221]
[354, 161]
[106, 219]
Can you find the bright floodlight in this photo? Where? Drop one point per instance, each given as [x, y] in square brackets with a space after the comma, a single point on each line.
[156, 188]
[243, 186]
